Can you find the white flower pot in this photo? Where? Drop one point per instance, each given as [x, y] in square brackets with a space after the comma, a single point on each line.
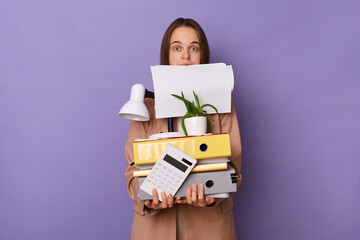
[196, 125]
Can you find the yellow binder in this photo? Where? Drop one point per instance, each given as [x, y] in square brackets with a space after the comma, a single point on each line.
[199, 147]
[198, 168]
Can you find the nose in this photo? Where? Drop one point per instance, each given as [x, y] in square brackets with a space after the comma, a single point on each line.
[186, 55]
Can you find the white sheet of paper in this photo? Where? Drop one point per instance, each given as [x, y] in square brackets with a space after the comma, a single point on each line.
[213, 83]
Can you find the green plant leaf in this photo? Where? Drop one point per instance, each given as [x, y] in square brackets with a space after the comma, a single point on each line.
[210, 118]
[183, 124]
[209, 105]
[177, 96]
[198, 104]
[186, 102]
[196, 99]
[208, 124]
[188, 107]
[194, 109]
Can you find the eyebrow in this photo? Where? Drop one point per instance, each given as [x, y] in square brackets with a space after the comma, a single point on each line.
[181, 43]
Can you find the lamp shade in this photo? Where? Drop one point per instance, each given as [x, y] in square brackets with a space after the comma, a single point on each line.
[135, 108]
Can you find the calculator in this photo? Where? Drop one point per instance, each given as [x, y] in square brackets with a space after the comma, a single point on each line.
[169, 172]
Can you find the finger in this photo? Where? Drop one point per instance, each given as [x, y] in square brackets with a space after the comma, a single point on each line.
[209, 200]
[171, 200]
[181, 201]
[194, 193]
[148, 203]
[155, 195]
[201, 199]
[164, 202]
[188, 195]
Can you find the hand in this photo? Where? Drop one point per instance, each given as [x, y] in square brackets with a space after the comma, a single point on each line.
[194, 198]
[167, 202]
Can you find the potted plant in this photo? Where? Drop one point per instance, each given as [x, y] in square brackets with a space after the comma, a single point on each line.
[195, 121]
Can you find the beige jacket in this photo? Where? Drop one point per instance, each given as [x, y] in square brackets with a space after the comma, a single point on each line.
[199, 223]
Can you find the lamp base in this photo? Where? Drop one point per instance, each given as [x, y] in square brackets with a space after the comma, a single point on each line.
[166, 135]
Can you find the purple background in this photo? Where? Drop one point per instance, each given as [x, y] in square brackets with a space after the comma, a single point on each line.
[66, 68]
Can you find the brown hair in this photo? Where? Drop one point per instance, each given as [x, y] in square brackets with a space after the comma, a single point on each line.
[187, 22]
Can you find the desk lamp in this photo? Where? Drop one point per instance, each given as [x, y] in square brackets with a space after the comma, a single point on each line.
[135, 109]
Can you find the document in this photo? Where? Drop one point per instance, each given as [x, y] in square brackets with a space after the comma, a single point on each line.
[213, 83]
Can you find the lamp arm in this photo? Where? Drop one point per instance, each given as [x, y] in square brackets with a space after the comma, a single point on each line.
[170, 124]
[149, 94]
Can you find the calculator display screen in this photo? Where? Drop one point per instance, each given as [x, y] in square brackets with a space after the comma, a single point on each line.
[175, 163]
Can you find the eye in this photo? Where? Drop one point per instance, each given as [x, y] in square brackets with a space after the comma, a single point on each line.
[176, 48]
[194, 49]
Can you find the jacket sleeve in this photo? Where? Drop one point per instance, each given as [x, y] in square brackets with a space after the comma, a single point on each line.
[137, 130]
[229, 124]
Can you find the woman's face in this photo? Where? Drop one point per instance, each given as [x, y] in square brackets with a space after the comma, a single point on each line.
[184, 47]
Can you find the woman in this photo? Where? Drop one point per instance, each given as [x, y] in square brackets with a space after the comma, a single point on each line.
[196, 217]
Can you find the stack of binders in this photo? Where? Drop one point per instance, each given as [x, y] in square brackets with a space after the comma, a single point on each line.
[212, 170]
